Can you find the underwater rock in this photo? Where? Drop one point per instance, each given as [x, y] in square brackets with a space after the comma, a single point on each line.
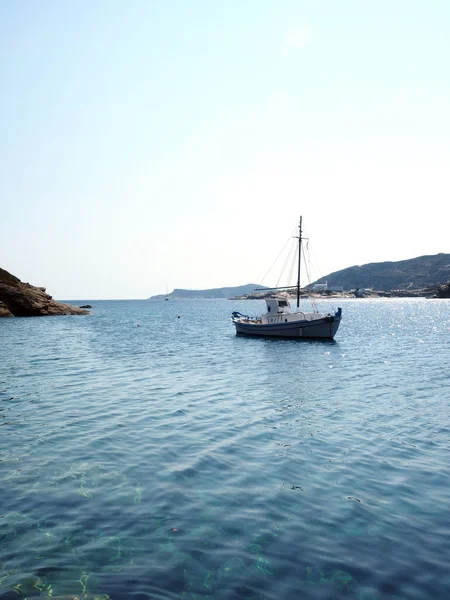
[74, 597]
[342, 580]
[203, 536]
[263, 566]
[199, 579]
[232, 569]
[254, 548]
[264, 537]
[367, 593]
[337, 579]
[191, 596]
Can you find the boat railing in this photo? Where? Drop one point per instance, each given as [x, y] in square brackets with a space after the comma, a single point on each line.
[237, 316]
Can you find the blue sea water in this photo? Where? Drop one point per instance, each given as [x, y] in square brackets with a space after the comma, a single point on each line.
[146, 452]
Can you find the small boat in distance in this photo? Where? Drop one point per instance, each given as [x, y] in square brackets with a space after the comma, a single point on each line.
[280, 321]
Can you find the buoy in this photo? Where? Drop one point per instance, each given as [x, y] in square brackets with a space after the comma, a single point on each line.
[179, 317]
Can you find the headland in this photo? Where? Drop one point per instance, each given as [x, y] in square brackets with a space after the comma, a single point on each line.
[18, 299]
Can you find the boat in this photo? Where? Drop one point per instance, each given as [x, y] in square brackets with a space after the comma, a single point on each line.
[281, 321]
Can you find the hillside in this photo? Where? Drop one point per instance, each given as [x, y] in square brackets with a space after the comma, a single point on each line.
[224, 292]
[414, 273]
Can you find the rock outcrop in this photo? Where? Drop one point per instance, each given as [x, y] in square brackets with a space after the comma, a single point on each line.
[4, 312]
[26, 300]
[443, 291]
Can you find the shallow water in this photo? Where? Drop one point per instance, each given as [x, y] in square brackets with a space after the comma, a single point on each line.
[144, 455]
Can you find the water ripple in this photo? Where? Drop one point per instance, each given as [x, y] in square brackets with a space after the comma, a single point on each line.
[174, 460]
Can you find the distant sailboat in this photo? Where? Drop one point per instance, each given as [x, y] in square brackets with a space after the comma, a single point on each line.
[167, 297]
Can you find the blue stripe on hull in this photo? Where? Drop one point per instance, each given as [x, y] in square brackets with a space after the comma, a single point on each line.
[321, 328]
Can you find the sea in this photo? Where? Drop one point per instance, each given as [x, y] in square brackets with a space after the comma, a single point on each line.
[147, 452]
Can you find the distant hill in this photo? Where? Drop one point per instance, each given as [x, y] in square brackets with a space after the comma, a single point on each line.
[225, 292]
[415, 273]
[412, 274]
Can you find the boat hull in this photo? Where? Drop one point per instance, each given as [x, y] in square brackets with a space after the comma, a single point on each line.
[324, 328]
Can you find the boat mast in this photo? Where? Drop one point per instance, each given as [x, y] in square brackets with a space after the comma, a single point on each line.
[299, 260]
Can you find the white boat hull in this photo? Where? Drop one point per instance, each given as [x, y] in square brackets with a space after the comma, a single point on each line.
[321, 328]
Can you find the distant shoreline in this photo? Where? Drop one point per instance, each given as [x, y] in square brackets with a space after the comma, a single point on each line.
[426, 293]
[319, 296]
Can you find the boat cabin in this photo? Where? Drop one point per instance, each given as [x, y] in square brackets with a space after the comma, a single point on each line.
[278, 311]
[278, 306]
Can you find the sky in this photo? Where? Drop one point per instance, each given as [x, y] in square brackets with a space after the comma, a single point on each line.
[155, 144]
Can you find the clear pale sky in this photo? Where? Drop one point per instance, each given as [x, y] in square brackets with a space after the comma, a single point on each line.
[154, 143]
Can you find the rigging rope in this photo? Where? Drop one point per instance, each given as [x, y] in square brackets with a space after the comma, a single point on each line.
[288, 256]
[308, 275]
[281, 252]
[294, 262]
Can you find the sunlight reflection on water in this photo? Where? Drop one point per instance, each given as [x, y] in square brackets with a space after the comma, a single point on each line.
[175, 460]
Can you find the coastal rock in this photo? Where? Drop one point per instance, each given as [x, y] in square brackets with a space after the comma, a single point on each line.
[26, 300]
[443, 291]
[4, 312]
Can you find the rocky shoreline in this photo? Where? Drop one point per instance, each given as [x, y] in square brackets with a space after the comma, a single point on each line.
[437, 291]
[18, 299]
